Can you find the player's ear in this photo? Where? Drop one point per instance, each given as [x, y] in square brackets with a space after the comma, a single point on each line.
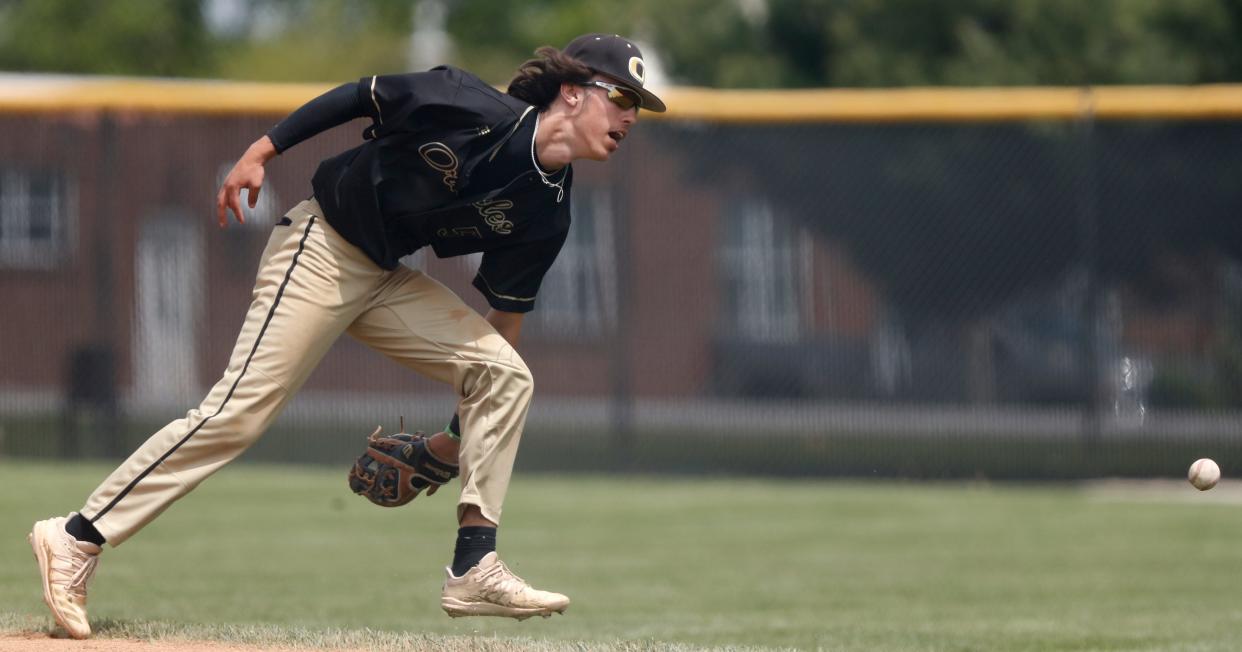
[572, 94]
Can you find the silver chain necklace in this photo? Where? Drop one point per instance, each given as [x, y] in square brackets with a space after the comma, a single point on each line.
[559, 185]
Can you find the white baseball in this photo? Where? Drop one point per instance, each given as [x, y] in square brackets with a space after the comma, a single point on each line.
[1204, 474]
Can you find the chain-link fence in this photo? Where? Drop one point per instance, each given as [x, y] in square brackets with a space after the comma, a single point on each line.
[1022, 298]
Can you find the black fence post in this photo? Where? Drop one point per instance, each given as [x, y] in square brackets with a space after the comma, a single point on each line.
[92, 396]
[1089, 242]
[621, 406]
[92, 406]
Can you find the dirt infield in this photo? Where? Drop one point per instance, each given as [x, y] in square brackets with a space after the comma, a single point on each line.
[42, 642]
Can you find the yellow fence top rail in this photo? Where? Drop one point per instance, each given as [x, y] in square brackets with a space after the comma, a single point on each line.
[55, 93]
[958, 104]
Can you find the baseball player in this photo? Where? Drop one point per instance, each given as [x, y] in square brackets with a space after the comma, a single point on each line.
[447, 162]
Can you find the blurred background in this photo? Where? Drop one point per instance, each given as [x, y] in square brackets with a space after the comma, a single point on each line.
[921, 289]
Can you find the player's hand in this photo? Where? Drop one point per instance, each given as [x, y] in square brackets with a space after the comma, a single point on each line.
[246, 173]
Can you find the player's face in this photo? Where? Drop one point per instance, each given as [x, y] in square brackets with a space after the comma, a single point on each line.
[609, 110]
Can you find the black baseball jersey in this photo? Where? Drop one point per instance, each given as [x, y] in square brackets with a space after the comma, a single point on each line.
[447, 163]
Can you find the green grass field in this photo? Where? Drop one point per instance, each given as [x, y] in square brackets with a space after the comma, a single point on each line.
[663, 563]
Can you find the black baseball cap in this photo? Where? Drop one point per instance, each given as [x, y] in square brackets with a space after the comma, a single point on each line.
[618, 59]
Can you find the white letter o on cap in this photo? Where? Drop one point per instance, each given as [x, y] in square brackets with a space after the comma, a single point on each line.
[637, 69]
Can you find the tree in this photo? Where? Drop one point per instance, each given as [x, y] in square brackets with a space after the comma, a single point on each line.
[813, 43]
[723, 43]
[129, 37]
[318, 40]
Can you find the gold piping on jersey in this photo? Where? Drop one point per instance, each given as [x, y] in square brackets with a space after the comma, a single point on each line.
[378, 115]
[496, 149]
[501, 296]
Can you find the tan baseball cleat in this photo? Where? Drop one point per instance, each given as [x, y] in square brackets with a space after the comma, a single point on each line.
[66, 565]
[491, 589]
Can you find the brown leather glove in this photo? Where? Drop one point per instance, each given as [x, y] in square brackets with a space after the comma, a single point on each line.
[396, 468]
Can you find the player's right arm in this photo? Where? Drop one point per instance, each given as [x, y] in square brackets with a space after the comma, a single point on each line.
[246, 173]
[336, 107]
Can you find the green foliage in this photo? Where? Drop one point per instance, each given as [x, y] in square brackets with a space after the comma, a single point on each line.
[1173, 388]
[131, 37]
[1219, 388]
[1227, 357]
[710, 43]
[319, 40]
[739, 43]
[494, 37]
[971, 42]
[1006, 42]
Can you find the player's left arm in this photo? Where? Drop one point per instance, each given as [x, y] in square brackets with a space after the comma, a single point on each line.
[520, 272]
[508, 324]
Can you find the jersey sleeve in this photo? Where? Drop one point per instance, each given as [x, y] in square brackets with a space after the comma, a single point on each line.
[336, 107]
[389, 100]
[510, 278]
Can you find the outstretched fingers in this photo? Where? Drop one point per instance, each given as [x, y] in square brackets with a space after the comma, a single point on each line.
[225, 203]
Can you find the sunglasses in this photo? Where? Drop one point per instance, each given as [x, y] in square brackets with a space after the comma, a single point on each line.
[619, 95]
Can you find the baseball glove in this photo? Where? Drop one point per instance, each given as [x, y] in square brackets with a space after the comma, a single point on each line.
[396, 468]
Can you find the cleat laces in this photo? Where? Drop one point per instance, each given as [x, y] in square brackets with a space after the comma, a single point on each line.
[85, 568]
[500, 582]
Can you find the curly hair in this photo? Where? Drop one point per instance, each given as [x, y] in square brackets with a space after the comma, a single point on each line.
[539, 80]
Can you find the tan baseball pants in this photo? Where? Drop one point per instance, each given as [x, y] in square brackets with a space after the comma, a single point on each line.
[311, 287]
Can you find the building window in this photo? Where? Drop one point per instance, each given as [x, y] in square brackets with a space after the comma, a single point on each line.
[36, 211]
[578, 297]
[763, 264]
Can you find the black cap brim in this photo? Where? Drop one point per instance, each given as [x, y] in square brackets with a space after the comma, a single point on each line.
[649, 100]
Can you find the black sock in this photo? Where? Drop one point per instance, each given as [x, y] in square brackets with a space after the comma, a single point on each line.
[473, 543]
[82, 530]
